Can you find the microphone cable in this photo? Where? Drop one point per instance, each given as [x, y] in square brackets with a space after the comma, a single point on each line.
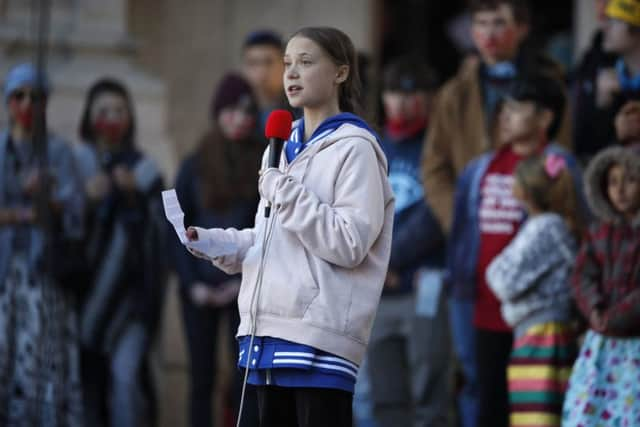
[255, 298]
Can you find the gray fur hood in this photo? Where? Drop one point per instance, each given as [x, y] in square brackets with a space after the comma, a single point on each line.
[595, 179]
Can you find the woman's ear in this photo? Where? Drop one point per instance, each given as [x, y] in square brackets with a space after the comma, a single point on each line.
[342, 74]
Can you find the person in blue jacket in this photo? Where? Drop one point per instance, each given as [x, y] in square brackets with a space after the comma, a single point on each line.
[408, 355]
[39, 370]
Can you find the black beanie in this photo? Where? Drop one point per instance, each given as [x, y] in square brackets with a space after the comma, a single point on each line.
[409, 74]
[231, 91]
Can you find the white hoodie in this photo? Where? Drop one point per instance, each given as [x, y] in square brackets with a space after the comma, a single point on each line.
[327, 256]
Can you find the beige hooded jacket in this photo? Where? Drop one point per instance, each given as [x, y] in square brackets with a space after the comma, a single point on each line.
[328, 248]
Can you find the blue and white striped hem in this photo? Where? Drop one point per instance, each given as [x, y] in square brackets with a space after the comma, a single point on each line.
[309, 359]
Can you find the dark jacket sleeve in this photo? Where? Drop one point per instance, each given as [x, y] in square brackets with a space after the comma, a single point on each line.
[586, 277]
[455, 244]
[593, 127]
[156, 261]
[576, 174]
[623, 318]
[183, 262]
[415, 237]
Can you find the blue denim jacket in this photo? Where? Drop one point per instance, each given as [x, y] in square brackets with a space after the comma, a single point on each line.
[67, 191]
[464, 240]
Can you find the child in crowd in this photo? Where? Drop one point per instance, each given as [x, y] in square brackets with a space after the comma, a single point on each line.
[530, 277]
[604, 388]
[487, 218]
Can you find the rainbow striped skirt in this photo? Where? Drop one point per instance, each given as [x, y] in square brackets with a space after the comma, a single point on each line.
[538, 374]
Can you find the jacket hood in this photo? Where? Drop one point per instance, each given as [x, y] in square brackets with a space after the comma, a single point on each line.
[345, 125]
[329, 125]
[595, 179]
[348, 130]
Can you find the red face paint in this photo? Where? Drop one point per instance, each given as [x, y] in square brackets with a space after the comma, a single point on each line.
[112, 131]
[496, 34]
[407, 118]
[22, 115]
[498, 45]
[236, 123]
[25, 118]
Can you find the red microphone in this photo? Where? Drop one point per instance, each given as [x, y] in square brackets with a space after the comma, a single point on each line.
[277, 131]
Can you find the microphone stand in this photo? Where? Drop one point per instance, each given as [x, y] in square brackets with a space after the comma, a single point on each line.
[43, 213]
[40, 143]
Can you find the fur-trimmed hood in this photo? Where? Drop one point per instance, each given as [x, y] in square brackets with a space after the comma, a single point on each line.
[596, 179]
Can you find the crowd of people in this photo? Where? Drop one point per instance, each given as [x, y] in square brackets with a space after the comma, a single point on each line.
[506, 199]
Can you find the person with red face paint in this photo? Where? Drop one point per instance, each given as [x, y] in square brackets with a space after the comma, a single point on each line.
[216, 187]
[465, 105]
[39, 372]
[125, 248]
[410, 382]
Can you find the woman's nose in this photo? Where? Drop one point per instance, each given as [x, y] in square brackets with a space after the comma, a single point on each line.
[292, 72]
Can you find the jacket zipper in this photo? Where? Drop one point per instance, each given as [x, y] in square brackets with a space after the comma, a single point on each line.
[268, 376]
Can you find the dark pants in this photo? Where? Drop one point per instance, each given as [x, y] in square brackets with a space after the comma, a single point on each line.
[201, 327]
[95, 382]
[409, 365]
[118, 389]
[493, 350]
[304, 407]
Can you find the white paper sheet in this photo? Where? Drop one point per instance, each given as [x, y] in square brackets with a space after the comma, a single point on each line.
[175, 216]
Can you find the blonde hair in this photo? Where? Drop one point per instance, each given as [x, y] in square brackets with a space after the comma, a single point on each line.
[551, 190]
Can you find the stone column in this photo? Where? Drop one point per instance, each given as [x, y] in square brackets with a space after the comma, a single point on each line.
[88, 40]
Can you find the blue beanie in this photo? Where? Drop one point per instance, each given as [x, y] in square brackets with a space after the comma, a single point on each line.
[22, 75]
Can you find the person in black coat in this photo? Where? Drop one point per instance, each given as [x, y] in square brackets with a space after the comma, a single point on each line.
[126, 257]
[216, 187]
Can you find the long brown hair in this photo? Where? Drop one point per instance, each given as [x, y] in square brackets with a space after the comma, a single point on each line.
[551, 193]
[228, 170]
[340, 49]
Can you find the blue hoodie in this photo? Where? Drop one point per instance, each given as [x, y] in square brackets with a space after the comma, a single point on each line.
[417, 239]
